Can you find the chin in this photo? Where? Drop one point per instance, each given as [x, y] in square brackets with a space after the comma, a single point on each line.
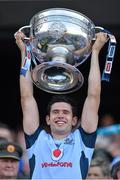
[63, 131]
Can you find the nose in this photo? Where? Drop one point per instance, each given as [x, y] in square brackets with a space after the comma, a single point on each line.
[9, 162]
[60, 114]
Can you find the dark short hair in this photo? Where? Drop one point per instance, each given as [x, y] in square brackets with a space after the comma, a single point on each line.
[63, 98]
[102, 153]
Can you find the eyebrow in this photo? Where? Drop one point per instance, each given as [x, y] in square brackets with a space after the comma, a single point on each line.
[66, 110]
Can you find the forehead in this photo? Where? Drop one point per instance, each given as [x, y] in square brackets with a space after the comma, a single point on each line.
[61, 105]
[8, 159]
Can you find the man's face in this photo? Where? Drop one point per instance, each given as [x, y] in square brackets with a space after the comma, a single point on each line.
[95, 173]
[8, 168]
[61, 118]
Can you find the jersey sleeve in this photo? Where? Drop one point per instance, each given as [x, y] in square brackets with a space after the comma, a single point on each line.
[31, 139]
[88, 139]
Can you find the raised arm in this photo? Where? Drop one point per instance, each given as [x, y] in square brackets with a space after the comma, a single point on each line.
[28, 103]
[89, 118]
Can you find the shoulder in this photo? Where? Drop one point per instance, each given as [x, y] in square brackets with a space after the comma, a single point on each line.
[31, 139]
[88, 139]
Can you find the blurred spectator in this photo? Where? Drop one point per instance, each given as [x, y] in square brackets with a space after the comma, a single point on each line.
[114, 148]
[24, 162]
[7, 132]
[109, 135]
[103, 154]
[10, 154]
[99, 169]
[109, 138]
[115, 170]
[13, 136]
[115, 160]
[103, 142]
[107, 120]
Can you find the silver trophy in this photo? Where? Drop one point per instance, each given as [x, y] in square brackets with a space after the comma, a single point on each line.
[61, 41]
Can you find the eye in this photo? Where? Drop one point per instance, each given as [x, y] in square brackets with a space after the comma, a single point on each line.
[55, 111]
[66, 112]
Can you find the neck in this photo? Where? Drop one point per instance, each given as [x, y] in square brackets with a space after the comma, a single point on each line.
[59, 136]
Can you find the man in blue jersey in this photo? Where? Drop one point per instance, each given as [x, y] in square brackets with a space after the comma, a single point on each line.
[62, 153]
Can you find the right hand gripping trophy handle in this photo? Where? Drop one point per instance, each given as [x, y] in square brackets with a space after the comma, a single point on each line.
[111, 53]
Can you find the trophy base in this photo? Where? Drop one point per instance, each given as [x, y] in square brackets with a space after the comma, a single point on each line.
[57, 78]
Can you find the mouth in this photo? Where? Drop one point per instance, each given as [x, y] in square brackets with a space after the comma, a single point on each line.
[9, 169]
[60, 122]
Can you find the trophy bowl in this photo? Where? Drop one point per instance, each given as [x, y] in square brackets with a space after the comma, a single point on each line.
[62, 40]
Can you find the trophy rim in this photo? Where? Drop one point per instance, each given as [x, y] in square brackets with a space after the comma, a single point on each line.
[61, 9]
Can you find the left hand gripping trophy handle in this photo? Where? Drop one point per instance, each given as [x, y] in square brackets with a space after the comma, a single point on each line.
[28, 52]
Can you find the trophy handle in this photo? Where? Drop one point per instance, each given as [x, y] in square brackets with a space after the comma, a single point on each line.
[100, 29]
[26, 31]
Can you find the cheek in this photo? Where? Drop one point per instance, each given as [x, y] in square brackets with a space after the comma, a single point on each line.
[2, 165]
[16, 167]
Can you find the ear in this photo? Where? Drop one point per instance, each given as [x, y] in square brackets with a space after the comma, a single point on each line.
[74, 120]
[48, 120]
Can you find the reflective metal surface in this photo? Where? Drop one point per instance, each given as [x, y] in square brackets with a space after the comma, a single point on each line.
[63, 27]
[57, 77]
[62, 40]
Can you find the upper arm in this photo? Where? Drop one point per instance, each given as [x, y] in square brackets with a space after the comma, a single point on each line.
[89, 118]
[30, 114]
